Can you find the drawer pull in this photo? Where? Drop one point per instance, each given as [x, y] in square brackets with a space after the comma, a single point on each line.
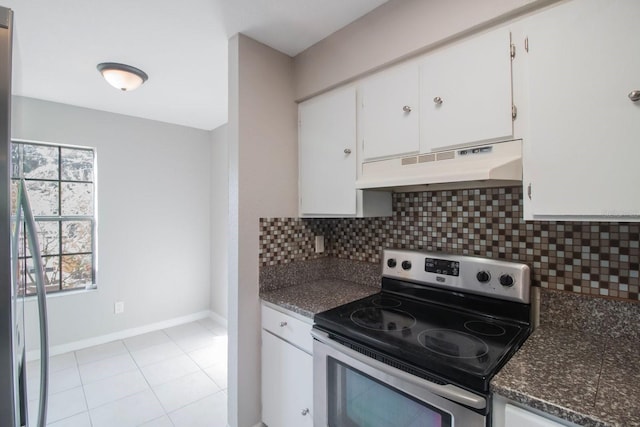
[305, 411]
[283, 324]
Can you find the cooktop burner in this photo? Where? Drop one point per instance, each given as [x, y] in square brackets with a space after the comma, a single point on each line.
[484, 328]
[449, 343]
[383, 319]
[385, 302]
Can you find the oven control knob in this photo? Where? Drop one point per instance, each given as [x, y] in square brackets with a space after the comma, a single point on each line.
[506, 280]
[483, 276]
[391, 263]
[406, 265]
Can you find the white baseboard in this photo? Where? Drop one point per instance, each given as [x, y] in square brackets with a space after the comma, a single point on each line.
[126, 333]
[218, 319]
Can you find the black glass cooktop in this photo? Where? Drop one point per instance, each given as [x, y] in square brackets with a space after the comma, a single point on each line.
[454, 345]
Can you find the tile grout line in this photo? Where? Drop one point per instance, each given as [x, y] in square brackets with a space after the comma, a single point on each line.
[166, 414]
[86, 402]
[200, 369]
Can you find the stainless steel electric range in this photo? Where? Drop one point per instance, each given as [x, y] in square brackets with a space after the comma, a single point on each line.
[422, 351]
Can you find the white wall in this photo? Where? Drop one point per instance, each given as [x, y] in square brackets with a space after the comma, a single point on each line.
[219, 221]
[262, 183]
[154, 194]
[392, 32]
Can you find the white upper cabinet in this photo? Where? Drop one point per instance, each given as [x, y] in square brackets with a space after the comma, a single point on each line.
[583, 69]
[389, 113]
[327, 156]
[466, 92]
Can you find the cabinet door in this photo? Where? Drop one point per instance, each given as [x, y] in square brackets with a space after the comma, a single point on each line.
[287, 384]
[466, 92]
[389, 114]
[327, 154]
[584, 129]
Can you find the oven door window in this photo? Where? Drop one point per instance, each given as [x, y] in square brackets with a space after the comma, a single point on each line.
[357, 400]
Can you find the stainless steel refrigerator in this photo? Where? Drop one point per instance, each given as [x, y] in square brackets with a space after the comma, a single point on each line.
[16, 218]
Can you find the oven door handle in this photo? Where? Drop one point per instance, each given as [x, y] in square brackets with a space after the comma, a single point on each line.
[448, 391]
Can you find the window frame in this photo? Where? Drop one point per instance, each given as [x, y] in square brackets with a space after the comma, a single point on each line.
[61, 219]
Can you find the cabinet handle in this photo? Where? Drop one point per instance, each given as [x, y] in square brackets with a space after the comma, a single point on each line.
[634, 95]
[406, 109]
[347, 151]
[305, 411]
[529, 191]
[437, 100]
[283, 324]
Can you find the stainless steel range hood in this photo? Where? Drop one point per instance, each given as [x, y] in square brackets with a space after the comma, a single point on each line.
[497, 164]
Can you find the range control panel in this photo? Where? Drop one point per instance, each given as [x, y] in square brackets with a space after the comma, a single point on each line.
[483, 276]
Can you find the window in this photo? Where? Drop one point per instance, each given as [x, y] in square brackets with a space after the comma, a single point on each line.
[60, 182]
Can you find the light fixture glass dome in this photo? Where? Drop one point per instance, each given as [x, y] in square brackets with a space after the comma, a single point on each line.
[122, 76]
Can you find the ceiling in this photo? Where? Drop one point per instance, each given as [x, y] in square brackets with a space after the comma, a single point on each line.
[182, 46]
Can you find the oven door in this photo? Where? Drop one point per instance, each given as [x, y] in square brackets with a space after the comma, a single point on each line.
[353, 390]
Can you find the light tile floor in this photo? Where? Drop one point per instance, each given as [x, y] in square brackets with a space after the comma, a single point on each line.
[176, 377]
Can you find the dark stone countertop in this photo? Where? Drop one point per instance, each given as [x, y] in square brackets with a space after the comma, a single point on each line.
[313, 297]
[586, 371]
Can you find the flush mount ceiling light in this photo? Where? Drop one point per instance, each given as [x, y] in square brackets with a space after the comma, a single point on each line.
[122, 76]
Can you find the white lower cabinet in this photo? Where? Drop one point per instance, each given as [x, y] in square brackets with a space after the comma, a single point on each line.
[515, 416]
[508, 414]
[287, 374]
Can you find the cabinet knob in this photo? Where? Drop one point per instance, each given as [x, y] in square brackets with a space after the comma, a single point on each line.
[634, 95]
[406, 109]
[437, 100]
[305, 411]
[283, 324]
[347, 151]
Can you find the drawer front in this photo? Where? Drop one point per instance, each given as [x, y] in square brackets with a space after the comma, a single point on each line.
[288, 328]
[514, 416]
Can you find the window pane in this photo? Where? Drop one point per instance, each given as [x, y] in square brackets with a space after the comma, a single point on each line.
[48, 237]
[76, 236]
[43, 197]
[51, 274]
[77, 199]
[15, 160]
[77, 165]
[22, 250]
[14, 196]
[40, 162]
[20, 277]
[76, 271]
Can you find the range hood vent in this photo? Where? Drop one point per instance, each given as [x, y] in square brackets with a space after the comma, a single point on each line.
[480, 166]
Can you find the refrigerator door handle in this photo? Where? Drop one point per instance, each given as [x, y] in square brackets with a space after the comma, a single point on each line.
[34, 246]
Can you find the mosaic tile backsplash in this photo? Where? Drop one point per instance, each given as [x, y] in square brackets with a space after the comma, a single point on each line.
[598, 258]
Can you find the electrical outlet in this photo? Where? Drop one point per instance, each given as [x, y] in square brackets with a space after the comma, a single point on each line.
[319, 244]
[118, 307]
